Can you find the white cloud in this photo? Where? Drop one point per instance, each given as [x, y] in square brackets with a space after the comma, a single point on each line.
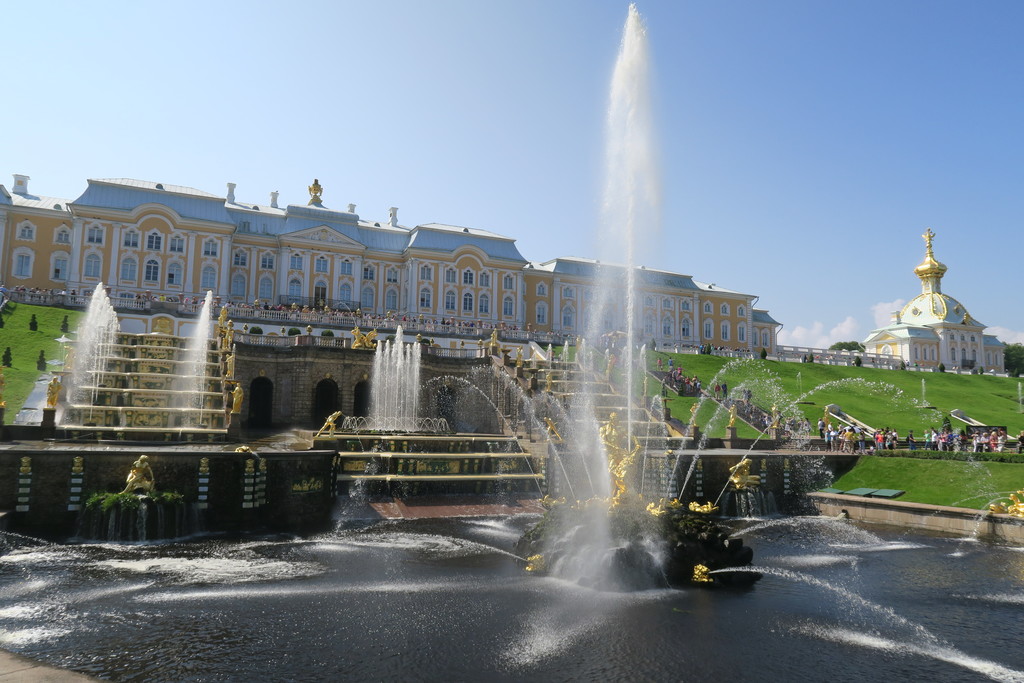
[1006, 335]
[816, 337]
[883, 311]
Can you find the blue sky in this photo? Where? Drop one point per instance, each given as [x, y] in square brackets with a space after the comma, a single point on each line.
[804, 146]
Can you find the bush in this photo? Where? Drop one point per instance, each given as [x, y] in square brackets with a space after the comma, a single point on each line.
[327, 333]
[293, 331]
[764, 353]
[256, 330]
[858, 361]
[64, 324]
[41, 361]
[7, 360]
[1, 321]
[942, 367]
[33, 324]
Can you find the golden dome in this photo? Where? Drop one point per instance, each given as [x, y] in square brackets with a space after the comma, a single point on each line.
[929, 268]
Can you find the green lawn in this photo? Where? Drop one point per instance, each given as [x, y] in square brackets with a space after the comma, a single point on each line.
[881, 398]
[938, 482]
[25, 346]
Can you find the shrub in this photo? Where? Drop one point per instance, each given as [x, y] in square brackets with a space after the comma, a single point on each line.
[764, 353]
[64, 324]
[293, 331]
[41, 361]
[256, 330]
[942, 367]
[33, 324]
[327, 333]
[6, 360]
[858, 361]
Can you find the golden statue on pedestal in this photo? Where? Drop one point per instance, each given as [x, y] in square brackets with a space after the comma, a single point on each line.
[237, 394]
[329, 424]
[552, 430]
[53, 390]
[732, 415]
[620, 455]
[140, 477]
[1015, 507]
[364, 341]
[741, 477]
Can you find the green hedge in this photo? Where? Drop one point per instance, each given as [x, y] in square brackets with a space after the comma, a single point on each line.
[958, 456]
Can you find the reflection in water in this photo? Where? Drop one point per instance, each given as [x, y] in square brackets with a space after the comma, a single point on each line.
[444, 600]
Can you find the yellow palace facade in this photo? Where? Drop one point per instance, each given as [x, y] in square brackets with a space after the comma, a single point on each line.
[153, 241]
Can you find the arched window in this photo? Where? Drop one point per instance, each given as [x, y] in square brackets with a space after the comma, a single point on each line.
[295, 287]
[23, 263]
[952, 354]
[238, 285]
[724, 308]
[63, 236]
[709, 329]
[485, 303]
[741, 311]
[59, 262]
[467, 277]
[208, 278]
[345, 292]
[916, 353]
[507, 306]
[369, 272]
[542, 289]
[449, 276]
[345, 267]
[725, 330]
[174, 273]
[241, 259]
[707, 307]
[295, 262]
[648, 325]
[151, 271]
[467, 302]
[94, 235]
[666, 326]
[568, 318]
[765, 338]
[684, 329]
[92, 266]
[449, 301]
[425, 300]
[392, 275]
[266, 290]
[366, 301]
[542, 313]
[319, 293]
[684, 305]
[129, 269]
[176, 244]
[26, 231]
[485, 279]
[391, 300]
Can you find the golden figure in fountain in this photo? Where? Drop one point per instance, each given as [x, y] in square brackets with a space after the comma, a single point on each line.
[620, 455]
[364, 341]
[732, 415]
[237, 394]
[741, 477]
[1015, 507]
[53, 390]
[140, 477]
[552, 430]
[329, 425]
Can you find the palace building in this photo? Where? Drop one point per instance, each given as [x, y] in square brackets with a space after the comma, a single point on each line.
[934, 328]
[159, 242]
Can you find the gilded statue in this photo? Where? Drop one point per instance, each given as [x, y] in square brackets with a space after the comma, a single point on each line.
[329, 425]
[775, 417]
[693, 414]
[705, 509]
[315, 192]
[1015, 507]
[237, 394]
[519, 356]
[549, 381]
[620, 455]
[732, 415]
[552, 430]
[229, 365]
[364, 341]
[53, 390]
[493, 345]
[140, 477]
[741, 477]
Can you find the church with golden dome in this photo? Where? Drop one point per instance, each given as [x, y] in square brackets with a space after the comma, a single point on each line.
[935, 329]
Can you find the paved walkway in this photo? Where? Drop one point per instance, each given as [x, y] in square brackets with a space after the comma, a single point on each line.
[15, 668]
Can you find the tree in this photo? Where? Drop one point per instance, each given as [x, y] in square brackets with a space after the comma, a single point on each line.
[847, 346]
[41, 361]
[33, 324]
[764, 353]
[6, 360]
[1, 321]
[64, 324]
[1013, 359]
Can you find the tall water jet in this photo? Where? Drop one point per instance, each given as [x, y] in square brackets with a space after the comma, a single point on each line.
[195, 369]
[395, 388]
[87, 357]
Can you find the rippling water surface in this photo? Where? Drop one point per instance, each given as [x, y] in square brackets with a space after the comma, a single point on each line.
[444, 600]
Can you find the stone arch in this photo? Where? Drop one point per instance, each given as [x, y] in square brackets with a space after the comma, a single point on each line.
[361, 399]
[261, 402]
[325, 400]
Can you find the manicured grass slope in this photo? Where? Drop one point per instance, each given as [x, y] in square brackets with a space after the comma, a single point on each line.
[938, 482]
[881, 398]
[25, 346]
